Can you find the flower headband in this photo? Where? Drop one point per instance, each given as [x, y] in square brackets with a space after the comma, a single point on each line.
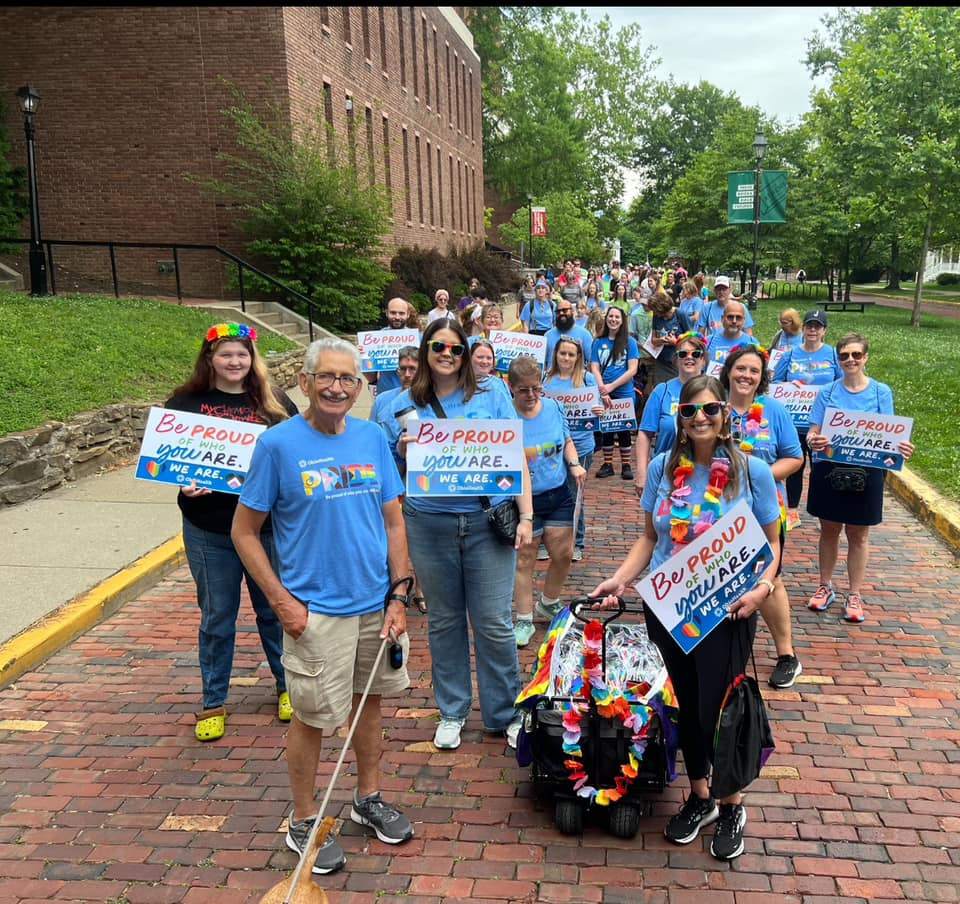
[231, 331]
[690, 335]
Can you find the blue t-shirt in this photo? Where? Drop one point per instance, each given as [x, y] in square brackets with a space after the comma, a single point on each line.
[784, 340]
[800, 366]
[491, 401]
[876, 398]
[381, 405]
[660, 414]
[692, 308]
[711, 319]
[575, 332]
[655, 500]
[326, 495]
[719, 346]
[613, 370]
[777, 438]
[544, 438]
[584, 440]
[675, 325]
[542, 315]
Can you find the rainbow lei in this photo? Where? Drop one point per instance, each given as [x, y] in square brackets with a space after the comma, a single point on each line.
[610, 703]
[683, 528]
[750, 428]
[231, 331]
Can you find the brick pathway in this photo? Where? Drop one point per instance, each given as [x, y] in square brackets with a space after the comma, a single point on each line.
[106, 796]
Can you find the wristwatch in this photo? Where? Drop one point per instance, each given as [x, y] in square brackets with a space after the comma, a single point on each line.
[526, 516]
[573, 464]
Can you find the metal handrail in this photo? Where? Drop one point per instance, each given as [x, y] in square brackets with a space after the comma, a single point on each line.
[175, 247]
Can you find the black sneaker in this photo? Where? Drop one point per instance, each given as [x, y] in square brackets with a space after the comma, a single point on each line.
[728, 837]
[388, 822]
[785, 672]
[626, 472]
[606, 470]
[693, 816]
[330, 856]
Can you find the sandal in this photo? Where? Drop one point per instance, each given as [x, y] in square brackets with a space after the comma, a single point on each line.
[211, 724]
[284, 707]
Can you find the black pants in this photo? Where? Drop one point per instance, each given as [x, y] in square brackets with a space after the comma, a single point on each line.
[795, 480]
[622, 437]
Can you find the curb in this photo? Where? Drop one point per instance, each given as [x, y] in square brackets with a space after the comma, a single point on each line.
[927, 505]
[32, 646]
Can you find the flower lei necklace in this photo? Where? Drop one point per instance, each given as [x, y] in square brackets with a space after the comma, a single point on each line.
[610, 703]
[683, 528]
[750, 428]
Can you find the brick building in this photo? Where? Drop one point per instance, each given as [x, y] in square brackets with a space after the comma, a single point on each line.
[131, 100]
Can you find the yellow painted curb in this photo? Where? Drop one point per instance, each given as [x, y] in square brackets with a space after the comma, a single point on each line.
[927, 505]
[32, 646]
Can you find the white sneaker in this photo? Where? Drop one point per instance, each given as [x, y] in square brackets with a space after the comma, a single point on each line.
[546, 610]
[523, 631]
[542, 554]
[577, 554]
[512, 731]
[447, 735]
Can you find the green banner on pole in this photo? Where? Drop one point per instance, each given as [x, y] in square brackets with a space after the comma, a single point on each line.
[773, 196]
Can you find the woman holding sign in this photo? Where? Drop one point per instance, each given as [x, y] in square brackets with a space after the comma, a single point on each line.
[230, 381]
[840, 497]
[688, 488]
[466, 573]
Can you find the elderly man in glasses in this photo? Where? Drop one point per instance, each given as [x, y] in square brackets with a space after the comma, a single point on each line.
[719, 345]
[332, 490]
[711, 318]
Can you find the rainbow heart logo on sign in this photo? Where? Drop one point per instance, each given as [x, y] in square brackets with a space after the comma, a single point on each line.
[423, 483]
[234, 481]
[504, 481]
[154, 468]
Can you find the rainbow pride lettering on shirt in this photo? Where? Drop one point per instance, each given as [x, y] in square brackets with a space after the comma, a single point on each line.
[542, 450]
[338, 478]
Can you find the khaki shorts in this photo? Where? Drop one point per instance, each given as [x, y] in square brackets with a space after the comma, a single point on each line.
[331, 661]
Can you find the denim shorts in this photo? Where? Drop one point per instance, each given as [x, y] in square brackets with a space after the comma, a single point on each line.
[552, 508]
[331, 661]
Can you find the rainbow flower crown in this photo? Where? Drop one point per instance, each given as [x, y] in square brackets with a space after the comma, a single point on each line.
[231, 331]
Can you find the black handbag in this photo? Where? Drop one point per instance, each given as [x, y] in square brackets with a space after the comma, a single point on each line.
[847, 479]
[743, 740]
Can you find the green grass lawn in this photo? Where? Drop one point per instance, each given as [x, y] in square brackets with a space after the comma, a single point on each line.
[71, 353]
[918, 366]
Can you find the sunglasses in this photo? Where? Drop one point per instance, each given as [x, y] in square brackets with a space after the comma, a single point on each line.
[688, 410]
[857, 356]
[456, 350]
[695, 353]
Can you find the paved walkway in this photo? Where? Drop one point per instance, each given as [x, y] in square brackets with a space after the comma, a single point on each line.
[106, 796]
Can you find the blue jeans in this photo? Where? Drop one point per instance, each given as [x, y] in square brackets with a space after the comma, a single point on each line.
[218, 571]
[580, 539]
[467, 575]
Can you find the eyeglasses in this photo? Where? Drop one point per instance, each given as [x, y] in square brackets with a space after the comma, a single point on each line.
[688, 410]
[694, 353]
[324, 381]
[844, 356]
[528, 390]
[456, 350]
[814, 325]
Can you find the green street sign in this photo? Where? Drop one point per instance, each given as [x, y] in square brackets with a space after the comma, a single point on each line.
[773, 196]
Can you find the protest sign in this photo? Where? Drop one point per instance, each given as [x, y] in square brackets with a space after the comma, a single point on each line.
[798, 400]
[864, 438]
[179, 447]
[379, 348]
[714, 368]
[691, 592]
[578, 404]
[509, 345]
[775, 355]
[621, 415]
[466, 458]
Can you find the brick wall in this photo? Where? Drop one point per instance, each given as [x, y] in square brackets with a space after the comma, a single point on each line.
[130, 101]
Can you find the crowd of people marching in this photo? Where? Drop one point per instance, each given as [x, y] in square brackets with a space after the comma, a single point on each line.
[702, 433]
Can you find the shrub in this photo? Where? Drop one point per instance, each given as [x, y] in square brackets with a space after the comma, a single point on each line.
[948, 279]
[424, 270]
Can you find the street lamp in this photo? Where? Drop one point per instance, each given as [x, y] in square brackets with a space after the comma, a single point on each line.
[29, 101]
[530, 246]
[759, 150]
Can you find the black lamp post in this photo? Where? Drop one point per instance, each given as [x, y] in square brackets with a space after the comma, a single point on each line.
[759, 150]
[29, 101]
[530, 209]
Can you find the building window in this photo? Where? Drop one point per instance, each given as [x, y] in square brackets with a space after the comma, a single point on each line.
[365, 20]
[351, 133]
[463, 88]
[426, 62]
[416, 145]
[456, 85]
[371, 165]
[453, 198]
[328, 118]
[436, 70]
[449, 90]
[345, 13]
[413, 52]
[402, 52]
[471, 107]
[406, 174]
[387, 176]
[383, 39]
[460, 193]
[440, 186]
[468, 227]
[433, 219]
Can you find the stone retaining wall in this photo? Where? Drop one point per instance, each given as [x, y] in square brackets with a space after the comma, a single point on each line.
[37, 460]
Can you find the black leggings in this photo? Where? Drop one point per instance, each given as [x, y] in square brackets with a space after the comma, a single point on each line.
[700, 680]
[622, 437]
[795, 480]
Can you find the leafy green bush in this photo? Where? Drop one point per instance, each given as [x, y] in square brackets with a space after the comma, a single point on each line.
[948, 279]
[424, 270]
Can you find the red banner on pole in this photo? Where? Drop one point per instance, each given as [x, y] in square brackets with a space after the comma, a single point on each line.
[538, 221]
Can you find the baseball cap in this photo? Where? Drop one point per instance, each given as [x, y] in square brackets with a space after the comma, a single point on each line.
[816, 316]
[722, 281]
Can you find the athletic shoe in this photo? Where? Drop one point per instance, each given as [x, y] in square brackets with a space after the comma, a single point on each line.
[284, 707]
[728, 837]
[512, 731]
[330, 856]
[542, 554]
[523, 631]
[546, 611]
[447, 735]
[693, 816]
[577, 554]
[785, 671]
[793, 519]
[823, 599]
[606, 470]
[626, 472]
[853, 609]
[391, 826]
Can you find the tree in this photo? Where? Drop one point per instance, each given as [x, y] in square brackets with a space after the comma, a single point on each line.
[306, 212]
[562, 97]
[14, 203]
[889, 119]
[571, 230]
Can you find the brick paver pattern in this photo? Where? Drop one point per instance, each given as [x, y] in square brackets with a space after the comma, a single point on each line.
[107, 796]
